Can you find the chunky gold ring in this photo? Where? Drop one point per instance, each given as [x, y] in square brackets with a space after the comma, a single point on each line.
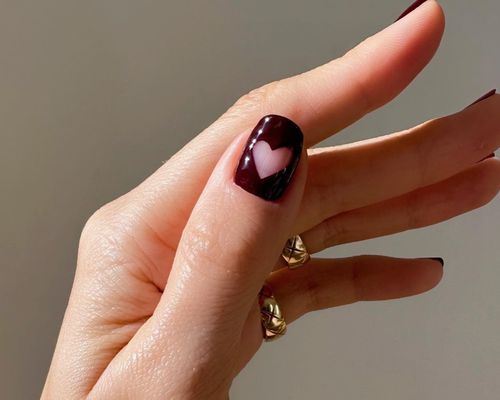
[271, 317]
[295, 252]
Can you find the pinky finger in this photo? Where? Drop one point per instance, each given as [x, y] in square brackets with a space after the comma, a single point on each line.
[327, 283]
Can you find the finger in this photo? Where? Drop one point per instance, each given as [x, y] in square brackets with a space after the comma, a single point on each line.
[321, 101]
[347, 177]
[332, 283]
[237, 233]
[233, 237]
[331, 97]
[430, 205]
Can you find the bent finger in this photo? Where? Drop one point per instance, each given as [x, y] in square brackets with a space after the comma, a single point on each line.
[242, 218]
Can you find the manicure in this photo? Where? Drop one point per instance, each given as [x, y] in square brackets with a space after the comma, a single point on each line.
[484, 97]
[413, 7]
[270, 157]
[492, 155]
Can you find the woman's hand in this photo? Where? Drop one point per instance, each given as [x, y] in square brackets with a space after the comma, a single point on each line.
[164, 303]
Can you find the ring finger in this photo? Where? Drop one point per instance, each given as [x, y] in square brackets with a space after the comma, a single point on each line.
[430, 205]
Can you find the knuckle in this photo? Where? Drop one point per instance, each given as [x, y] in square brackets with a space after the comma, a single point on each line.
[334, 231]
[106, 236]
[414, 218]
[355, 282]
[428, 147]
[362, 92]
[422, 155]
[205, 253]
[199, 244]
[325, 201]
[218, 255]
[257, 100]
[312, 293]
[98, 220]
[112, 215]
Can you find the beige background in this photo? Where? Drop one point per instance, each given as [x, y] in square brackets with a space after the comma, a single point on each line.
[95, 94]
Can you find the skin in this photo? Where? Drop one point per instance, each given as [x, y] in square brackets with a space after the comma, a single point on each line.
[164, 302]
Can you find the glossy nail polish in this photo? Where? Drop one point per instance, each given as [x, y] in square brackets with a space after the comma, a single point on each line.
[484, 97]
[492, 155]
[413, 7]
[270, 157]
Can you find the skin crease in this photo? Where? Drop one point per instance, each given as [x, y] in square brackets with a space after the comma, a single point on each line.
[164, 299]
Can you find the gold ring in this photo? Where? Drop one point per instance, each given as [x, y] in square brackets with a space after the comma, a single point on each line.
[295, 252]
[271, 317]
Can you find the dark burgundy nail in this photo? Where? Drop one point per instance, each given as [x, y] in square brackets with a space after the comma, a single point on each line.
[492, 155]
[270, 158]
[484, 97]
[438, 259]
[413, 7]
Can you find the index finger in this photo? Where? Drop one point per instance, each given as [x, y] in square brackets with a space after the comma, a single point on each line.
[331, 97]
[322, 101]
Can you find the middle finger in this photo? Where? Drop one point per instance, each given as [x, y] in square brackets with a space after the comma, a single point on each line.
[351, 176]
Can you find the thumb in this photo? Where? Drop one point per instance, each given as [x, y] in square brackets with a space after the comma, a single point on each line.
[241, 221]
[229, 246]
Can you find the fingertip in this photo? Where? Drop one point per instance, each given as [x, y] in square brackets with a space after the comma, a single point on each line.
[440, 18]
[410, 277]
[431, 271]
[429, 20]
[429, 10]
[438, 14]
[426, 25]
[413, 41]
[437, 259]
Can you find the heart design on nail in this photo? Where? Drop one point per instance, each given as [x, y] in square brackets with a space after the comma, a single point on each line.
[268, 161]
[270, 157]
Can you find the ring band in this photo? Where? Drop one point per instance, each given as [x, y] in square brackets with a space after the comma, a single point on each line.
[271, 317]
[295, 252]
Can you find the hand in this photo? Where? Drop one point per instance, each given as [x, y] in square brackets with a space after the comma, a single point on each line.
[164, 303]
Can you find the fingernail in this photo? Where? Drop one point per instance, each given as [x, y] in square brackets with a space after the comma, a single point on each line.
[413, 7]
[492, 155]
[484, 97]
[270, 158]
[438, 259]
